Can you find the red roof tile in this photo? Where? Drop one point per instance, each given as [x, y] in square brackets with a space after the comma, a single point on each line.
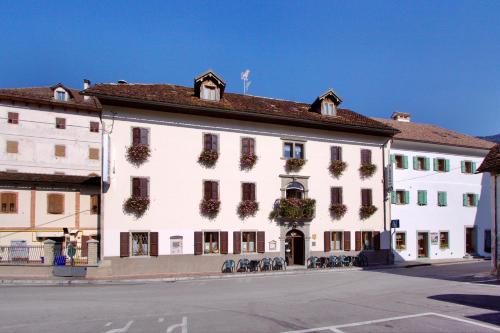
[492, 161]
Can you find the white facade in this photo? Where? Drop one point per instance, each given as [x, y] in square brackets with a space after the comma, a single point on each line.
[431, 219]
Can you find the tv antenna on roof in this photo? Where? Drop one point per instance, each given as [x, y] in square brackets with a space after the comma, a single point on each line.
[246, 83]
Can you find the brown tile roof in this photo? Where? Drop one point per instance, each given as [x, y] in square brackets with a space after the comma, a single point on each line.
[411, 131]
[21, 177]
[492, 161]
[246, 104]
[45, 95]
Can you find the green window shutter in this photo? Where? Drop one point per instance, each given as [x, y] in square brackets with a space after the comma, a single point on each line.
[474, 167]
[393, 197]
[465, 201]
[407, 197]
[415, 162]
[419, 197]
[405, 162]
[424, 197]
[462, 166]
[447, 165]
[442, 199]
[427, 163]
[445, 199]
[476, 199]
[435, 164]
[393, 158]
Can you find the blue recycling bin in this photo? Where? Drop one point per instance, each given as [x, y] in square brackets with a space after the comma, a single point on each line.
[60, 260]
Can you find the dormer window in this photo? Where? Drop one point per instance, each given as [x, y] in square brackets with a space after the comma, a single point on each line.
[328, 108]
[326, 104]
[209, 93]
[209, 86]
[61, 95]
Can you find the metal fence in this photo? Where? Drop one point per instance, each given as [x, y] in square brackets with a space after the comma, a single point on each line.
[63, 255]
[22, 254]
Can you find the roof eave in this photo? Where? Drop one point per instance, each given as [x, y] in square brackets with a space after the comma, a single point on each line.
[440, 143]
[34, 100]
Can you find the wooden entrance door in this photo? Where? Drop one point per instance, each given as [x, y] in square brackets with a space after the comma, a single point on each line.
[469, 241]
[294, 248]
[423, 244]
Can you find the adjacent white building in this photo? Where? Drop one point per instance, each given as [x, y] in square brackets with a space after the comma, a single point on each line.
[442, 204]
[185, 163]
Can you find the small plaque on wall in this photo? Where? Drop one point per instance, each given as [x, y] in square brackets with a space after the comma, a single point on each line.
[272, 245]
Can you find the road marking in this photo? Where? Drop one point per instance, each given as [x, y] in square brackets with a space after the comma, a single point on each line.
[121, 330]
[494, 328]
[160, 320]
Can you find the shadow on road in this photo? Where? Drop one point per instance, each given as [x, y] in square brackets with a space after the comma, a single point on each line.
[487, 302]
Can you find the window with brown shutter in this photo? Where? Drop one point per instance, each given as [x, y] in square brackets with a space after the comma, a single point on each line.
[94, 127]
[61, 123]
[8, 202]
[60, 150]
[140, 136]
[210, 142]
[198, 242]
[12, 147]
[236, 242]
[366, 197]
[336, 195]
[223, 242]
[210, 190]
[357, 241]
[55, 203]
[124, 244]
[248, 191]
[326, 239]
[336, 153]
[94, 153]
[248, 146]
[140, 187]
[13, 118]
[261, 241]
[366, 156]
[153, 244]
[347, 241]
[95, 204]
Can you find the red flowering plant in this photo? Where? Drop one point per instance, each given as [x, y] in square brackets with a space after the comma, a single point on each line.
[367, 211]
[210, 207]
[208, 158]
[138, 153]
[367, 170]
[336, 168]
[247, 208]
[293, 209]
[295, 164]
[247, 161]
[136, 206]
[338, 210]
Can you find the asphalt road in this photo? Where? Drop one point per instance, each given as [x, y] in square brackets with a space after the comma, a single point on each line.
[454, 298]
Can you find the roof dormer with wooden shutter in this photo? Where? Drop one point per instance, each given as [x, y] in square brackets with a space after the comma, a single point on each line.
[209, 86]
[61, 93]
[327, 103]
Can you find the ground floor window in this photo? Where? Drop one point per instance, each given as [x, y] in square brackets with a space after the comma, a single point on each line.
[248, 241]
[444, 240]
[400, 241]
[487, 241]
[336, 243]
[367, 240]
[140, 243]
[211, 243]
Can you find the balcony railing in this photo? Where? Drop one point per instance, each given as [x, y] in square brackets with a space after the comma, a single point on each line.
[294, 210]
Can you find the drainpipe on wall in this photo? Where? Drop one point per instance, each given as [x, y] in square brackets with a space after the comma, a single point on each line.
[495, 225]
[391, 259]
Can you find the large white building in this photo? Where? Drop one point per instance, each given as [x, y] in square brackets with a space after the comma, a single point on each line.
[50, 162]
[186, 167]
[442, 204]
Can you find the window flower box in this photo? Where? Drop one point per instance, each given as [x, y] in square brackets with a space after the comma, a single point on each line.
[367, 170]
[210, 208]
[367, 211]
[247, 208]
[247, 161]
[293, 209]
[295, 164]
[138, 154]
[337, 168]
[208, 158]
[338, 210]
[136, 206]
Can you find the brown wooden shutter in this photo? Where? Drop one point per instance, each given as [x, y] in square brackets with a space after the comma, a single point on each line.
[136, 187]
[347, 241]
[198, 242]
[61, 123]
[245, 192]
[366, 156]
[245, 145]
[85, 246]
[327, 244]
[376, 240]
[336, 195]
[144, 136]
[369, 197]
[207, 142]
[251, 146]
[366, 197]
[153, 244]
[13, 118]
[223, 242]
[207, 190]
[94, 126]
[252, 191]
[124, 244]
[236, 242]
[261, 241]
[357, 240]
[136, 136]
[336, 153]
[143, 183]
[215, 191]
[215, 142]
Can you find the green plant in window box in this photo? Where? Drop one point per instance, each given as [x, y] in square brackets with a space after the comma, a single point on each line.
[293, 209]
[208, 158]
[337, 168]
[210, 208]
[138, 154]
[247, 208]
[338, 210]
[367, 211]
[295, 164]
[247, 161]
[136, 206]
[367, 170]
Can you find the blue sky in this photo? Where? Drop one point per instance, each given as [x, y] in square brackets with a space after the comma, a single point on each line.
[438, 60]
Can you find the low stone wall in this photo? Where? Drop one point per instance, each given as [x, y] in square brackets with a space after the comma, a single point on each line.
[27, 271]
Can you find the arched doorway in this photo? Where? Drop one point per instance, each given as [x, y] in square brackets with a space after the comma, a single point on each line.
[295, 190]
[294, 247]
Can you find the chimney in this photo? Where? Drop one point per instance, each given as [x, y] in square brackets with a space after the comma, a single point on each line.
[86, 85]
[401, 116]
